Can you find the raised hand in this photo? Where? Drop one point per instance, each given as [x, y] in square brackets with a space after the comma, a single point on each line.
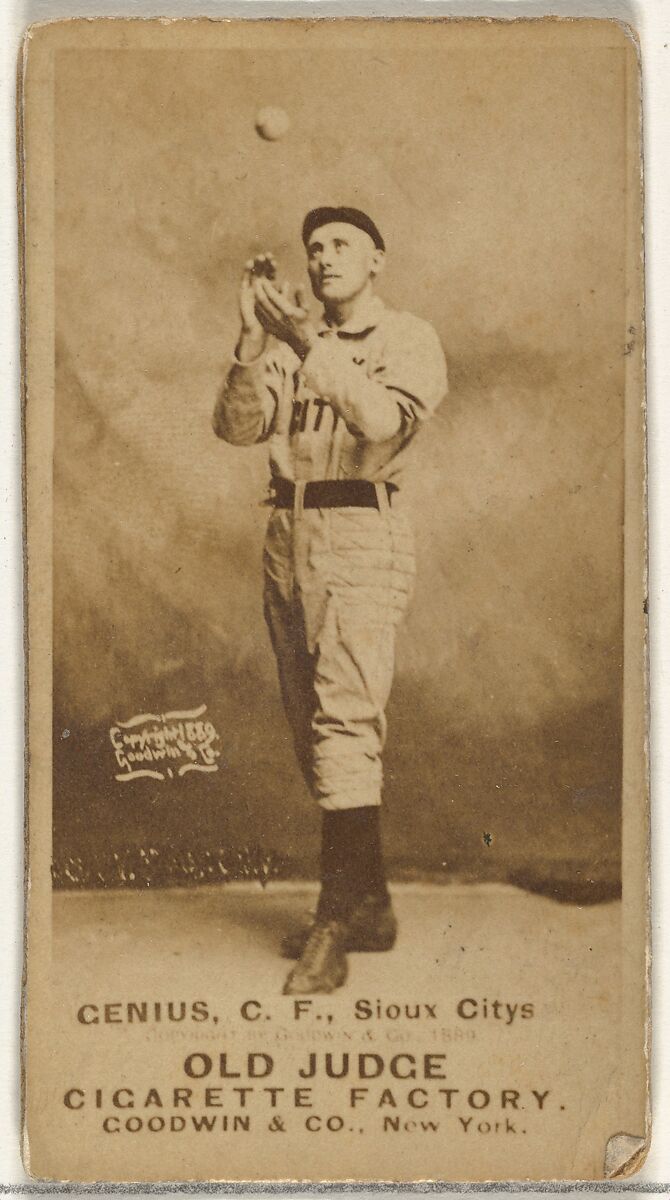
[253, 336]
[262, 266]
[285, 318]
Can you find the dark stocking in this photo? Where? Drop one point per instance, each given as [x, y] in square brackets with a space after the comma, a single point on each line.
[352, 864]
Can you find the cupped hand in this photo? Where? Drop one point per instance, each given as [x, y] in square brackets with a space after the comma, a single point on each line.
[263, 265]
[284, 317]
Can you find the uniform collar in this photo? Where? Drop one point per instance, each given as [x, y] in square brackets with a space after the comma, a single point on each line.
[366, 319]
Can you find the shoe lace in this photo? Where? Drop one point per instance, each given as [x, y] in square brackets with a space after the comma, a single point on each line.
[319, 944]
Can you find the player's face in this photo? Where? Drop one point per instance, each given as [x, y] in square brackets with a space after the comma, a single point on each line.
[341, 260]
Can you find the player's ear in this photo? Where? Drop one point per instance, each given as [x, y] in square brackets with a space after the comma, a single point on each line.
[378, 262]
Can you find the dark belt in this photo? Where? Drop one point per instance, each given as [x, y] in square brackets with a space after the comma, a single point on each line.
[329, 493]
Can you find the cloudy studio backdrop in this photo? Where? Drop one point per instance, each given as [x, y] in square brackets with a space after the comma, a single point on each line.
[500, 194]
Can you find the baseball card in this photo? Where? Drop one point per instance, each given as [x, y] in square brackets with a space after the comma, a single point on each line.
[337, 801]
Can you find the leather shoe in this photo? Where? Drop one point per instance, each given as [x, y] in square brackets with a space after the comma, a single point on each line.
[322, 966]
[372, 927]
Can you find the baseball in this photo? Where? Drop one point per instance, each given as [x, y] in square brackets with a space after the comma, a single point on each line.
[272, 123]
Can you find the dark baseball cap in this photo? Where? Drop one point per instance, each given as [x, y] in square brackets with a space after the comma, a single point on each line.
[349, 216]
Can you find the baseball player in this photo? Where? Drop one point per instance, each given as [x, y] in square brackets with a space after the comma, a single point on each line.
[339, 404]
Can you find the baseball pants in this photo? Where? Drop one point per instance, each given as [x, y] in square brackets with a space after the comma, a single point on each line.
[337, 583]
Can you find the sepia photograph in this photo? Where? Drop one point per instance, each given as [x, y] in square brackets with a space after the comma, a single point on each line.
[335, 479]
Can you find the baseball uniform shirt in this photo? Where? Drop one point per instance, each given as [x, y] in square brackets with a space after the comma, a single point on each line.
[338, 580]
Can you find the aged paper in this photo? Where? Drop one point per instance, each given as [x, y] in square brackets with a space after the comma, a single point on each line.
[403, 688]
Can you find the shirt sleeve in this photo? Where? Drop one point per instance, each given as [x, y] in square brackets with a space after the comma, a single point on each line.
[405, 387]
[247, 403]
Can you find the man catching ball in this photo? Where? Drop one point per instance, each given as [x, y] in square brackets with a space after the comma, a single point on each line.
[339, 404]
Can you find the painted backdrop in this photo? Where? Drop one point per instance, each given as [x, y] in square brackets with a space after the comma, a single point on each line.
[497, 181]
